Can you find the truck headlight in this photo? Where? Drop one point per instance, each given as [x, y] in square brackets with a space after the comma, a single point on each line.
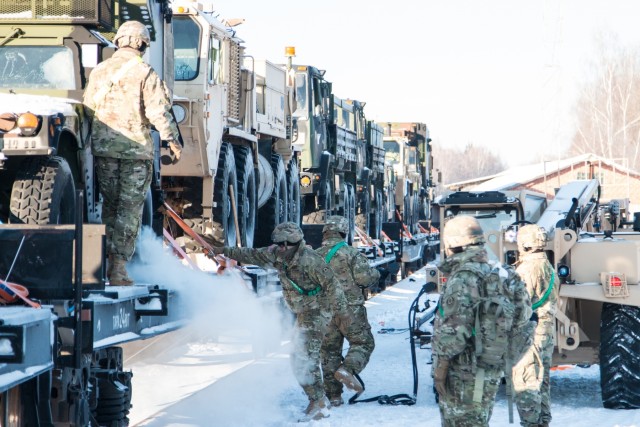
[8, 122]
[29, 124]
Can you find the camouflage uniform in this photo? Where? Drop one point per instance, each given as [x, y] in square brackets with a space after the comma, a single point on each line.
[123, 112]
[531, 374]
[353, 273]
[307, 270]
[454, 343]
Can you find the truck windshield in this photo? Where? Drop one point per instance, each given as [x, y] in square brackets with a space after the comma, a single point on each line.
[392, 151]
[302, 90]
[186, 48]
[492, 220]
[31, 67]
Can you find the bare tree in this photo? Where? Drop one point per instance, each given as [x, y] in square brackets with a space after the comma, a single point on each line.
[608, 108]
[462, 164]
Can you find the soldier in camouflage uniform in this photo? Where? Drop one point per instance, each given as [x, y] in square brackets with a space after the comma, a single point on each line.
[125, 97]
[313, 295]
[531, 374]
[354, 274]
[465, 397]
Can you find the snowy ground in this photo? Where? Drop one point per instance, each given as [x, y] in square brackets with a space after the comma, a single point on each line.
[231, 368]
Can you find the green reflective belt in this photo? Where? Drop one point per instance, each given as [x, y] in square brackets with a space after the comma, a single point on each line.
[301, 291]
[333, 251]
[546, 294]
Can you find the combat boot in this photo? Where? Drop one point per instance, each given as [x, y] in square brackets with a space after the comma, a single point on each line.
[349, 380]
[335, 401]
[119, 276]
[317, 410]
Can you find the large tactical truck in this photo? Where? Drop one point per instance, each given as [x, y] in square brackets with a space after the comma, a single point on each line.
[237, 165]
[61, 363]
[47, 51]
[594, 247]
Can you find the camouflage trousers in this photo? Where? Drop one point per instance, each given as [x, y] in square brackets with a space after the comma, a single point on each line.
[467, 404]
[531, 378]
[123, 185]
[354, 325]
[310, 328]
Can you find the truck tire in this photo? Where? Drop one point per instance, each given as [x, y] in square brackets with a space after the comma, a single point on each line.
[620, 356]
[246, 202]
[363, 217]
[275, 211]
[326, 207]
[43, 192]
[377, 216]
[351, 213]
[293, 190]
[225, 232]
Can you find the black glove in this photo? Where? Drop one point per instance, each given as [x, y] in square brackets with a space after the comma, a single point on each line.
[534, 317]
[175, 151]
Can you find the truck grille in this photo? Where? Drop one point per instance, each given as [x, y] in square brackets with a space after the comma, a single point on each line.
[97, 12]
[234, 82]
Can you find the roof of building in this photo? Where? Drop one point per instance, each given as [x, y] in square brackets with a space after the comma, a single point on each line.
[519, 175]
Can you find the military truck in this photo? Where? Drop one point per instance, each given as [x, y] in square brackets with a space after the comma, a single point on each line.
[61, 360]
[409, 185]
[47, 51]
[231, 110]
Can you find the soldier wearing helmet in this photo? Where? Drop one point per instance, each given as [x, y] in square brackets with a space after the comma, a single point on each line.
[466, 388]
[354, 275]
[125, 97]
[312, 293]
[530, 382]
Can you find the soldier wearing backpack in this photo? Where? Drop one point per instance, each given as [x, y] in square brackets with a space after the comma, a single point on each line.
[531, 374]
[483, 323]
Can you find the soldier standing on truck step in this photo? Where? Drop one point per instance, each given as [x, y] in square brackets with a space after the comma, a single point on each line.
[531, 374]
[313, 295]
[354, 275]
[482, 323]
[125, 97]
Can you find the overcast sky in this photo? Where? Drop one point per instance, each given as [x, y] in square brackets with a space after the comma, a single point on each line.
[497, 73]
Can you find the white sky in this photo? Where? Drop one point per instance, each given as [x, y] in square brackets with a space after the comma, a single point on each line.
[497, 73]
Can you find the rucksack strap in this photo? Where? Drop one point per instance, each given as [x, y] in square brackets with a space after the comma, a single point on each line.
[333, 251]
[542, 300]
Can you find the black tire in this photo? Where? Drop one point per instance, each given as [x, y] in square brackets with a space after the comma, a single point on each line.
[246, 202]
[43, 192]
[351, 213]
[225, 232]
[325, 208]
[363, 215]
[620, 356]
[275, 211]
[377, 215]
[293, 190]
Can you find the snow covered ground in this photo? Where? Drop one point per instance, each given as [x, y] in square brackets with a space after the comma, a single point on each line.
[230, 367]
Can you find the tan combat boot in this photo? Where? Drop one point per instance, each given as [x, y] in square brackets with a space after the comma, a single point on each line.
[119, 276]
[349, 380]
[316, 410]
[335, 401]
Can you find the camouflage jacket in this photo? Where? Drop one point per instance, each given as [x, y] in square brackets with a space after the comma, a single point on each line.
[536, 271]
[454, 326]
[306, 269]
[122, 117]
[351, 269]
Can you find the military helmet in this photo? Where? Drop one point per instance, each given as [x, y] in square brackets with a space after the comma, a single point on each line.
[132, 30]
[461, 231]
[336, 223]
[531, 237]
[287, 232]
